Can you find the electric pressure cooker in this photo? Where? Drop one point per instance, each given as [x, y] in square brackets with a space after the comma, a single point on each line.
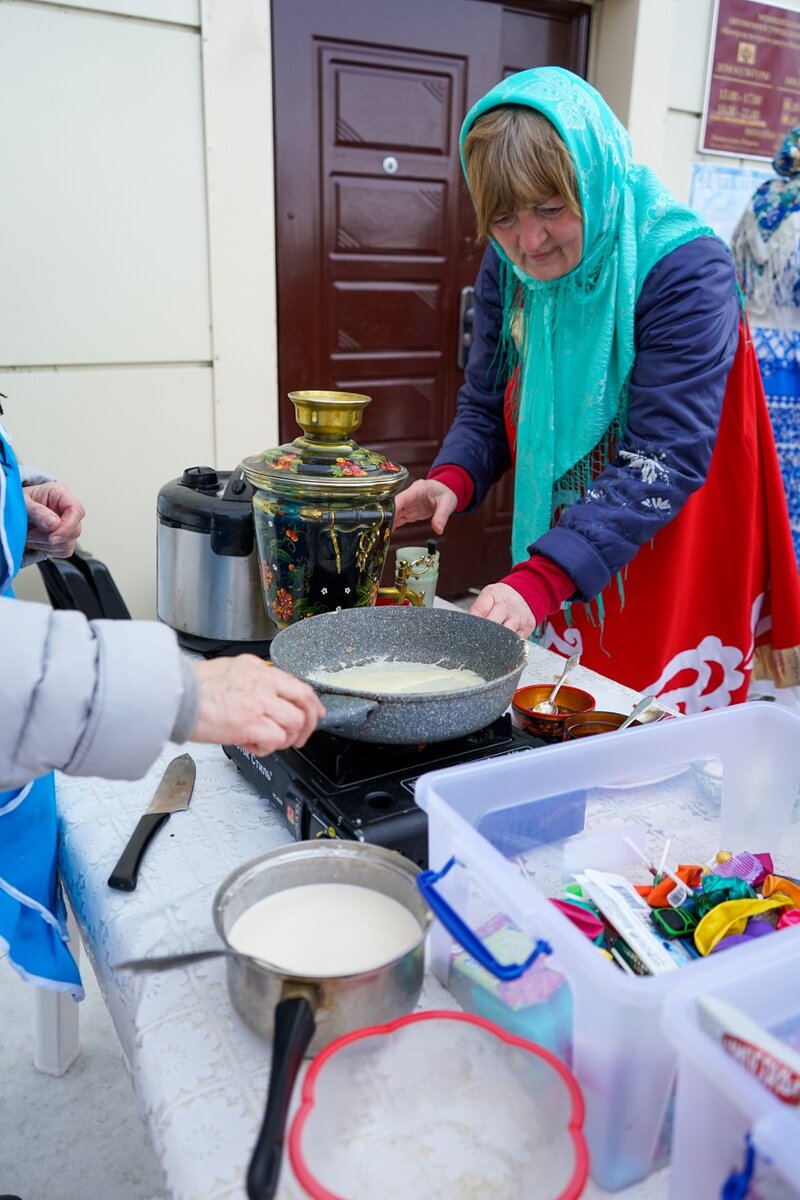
[207, 575]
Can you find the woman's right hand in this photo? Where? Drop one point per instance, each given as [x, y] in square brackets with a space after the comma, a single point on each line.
[246, 702]
[426, 499]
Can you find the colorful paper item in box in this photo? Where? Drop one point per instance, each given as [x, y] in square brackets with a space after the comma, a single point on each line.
[509, 944]
[621, 904]
[772, 1061]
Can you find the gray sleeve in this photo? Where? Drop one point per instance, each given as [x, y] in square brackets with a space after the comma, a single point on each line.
[31, 475]
[87, 698]
[186, 719]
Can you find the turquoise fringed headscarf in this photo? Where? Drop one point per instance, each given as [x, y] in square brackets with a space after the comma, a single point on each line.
[574, 335]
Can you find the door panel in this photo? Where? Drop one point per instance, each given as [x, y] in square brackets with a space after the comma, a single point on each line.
[375, 231]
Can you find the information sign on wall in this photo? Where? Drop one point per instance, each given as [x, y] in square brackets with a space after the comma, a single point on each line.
[721, 194]
[753, 91]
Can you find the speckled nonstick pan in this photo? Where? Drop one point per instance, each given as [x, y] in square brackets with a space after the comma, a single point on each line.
[450, 637]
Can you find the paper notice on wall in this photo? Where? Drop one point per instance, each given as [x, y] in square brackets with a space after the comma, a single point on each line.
[720, 194]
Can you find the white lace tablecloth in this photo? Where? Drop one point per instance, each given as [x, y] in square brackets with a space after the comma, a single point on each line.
[199, 1073]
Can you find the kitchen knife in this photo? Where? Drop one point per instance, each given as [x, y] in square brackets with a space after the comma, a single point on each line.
[172, 794]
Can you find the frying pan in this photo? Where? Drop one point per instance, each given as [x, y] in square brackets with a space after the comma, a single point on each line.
[449, 637]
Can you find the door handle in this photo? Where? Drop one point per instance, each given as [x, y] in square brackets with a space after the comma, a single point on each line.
[466, 313]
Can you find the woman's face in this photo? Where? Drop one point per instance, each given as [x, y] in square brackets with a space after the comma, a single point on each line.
[545, 242]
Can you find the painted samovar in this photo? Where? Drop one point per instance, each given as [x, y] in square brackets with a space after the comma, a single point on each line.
[323, 510]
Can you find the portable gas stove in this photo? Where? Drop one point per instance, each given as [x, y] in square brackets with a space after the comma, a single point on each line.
[339, 788]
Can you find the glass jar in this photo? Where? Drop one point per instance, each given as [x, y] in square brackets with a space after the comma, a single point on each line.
[323, 509]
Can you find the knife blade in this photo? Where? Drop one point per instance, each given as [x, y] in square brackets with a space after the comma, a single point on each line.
[172, 795]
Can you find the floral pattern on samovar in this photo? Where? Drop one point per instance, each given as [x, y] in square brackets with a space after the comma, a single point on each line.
[323, 509]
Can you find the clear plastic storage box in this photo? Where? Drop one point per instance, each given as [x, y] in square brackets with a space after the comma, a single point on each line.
[719, 1105]
[518, 827]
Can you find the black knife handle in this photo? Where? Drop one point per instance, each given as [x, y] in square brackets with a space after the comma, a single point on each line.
[124, 874]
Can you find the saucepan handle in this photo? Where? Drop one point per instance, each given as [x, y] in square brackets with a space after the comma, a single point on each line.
[467, 937]
[294, 1029]
[343, 712]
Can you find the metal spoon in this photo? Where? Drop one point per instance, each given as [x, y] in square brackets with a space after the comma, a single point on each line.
[164, 962]
[547, 706]
[644, 703]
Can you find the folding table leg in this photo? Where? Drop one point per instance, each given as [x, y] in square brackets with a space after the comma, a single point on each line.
[57, 1035]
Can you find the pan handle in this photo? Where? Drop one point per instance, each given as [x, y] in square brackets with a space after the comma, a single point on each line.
[344, 711]
[294, 1029]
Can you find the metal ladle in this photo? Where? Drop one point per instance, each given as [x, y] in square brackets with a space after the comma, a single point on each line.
[644, 703]
[548, 706]
[165, 962]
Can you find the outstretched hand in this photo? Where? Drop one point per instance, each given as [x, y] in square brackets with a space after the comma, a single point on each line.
[246, 702]
[54, 516]
[502, 604]
[426, 499]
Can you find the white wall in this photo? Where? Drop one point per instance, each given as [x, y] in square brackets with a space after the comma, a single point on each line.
[136, 161]
[105, 329]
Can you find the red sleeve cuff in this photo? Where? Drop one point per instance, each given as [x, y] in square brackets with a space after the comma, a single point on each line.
[458, 480]
[543, 585]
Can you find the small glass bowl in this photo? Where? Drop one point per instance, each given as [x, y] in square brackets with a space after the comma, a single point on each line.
[569, 701]
[581, 725]
[709, 778]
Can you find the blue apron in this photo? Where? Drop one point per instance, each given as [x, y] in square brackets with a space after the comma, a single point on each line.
[32, 916]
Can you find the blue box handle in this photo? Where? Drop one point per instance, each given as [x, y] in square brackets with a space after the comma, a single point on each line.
[453, 923]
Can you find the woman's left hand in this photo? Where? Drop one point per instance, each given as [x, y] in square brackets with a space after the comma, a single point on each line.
[500, 603]
[54, 519]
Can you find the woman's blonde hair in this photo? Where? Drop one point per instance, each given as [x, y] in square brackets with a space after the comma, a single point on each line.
[515, 159]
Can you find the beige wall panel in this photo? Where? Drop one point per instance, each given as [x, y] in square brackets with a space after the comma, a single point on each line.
[614, 40]
[237, 76]
[680, 151]
[103, 197]
[690, 54]
[650, 82]
[114, 437]
[179, 12]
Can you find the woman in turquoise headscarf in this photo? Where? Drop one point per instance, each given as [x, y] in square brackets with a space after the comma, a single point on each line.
[609, 367]
[32, 917]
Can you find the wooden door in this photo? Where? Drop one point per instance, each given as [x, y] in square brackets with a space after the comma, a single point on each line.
[375, 229]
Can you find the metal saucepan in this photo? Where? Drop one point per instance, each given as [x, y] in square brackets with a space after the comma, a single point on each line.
[303, 1014]
[449, 637]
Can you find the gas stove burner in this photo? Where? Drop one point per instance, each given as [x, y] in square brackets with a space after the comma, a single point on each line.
[336, 787]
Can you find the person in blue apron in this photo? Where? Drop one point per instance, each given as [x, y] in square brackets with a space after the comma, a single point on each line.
[83, 672]
[32, 915]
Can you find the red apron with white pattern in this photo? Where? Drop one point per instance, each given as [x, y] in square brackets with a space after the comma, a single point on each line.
[715, 584]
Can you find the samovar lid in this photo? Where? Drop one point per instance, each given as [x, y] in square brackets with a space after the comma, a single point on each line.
[325, 461]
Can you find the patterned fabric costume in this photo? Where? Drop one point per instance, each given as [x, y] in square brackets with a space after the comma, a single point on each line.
[766, 250]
